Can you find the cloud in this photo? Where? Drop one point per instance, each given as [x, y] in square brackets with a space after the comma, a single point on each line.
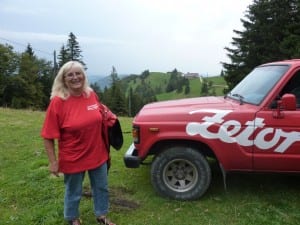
[33, 36]
[16, 10]
[98, 40]
[56, 38]
[133, 35]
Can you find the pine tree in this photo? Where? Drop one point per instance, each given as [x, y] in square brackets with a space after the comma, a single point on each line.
[63, 56]
[74, 49]
[29, 51]
[45, 78]
[187, 89]
[70, 51]
[173, 81]
[271, 32]
[117, 97]
[135, 103]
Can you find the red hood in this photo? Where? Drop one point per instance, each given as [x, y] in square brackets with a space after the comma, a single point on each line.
[170, 110]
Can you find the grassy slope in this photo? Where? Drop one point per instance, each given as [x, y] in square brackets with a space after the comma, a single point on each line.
[195, 89]
[160, 80]
[28, 195]
[156, 80]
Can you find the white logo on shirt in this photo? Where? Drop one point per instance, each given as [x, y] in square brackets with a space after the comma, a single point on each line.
[92, 107]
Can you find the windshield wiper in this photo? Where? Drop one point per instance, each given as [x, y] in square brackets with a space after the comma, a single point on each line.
[241, 98]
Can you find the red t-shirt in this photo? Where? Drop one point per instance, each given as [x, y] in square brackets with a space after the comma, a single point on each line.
[76, 123]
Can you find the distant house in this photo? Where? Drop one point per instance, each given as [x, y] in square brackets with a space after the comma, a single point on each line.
[191, 75]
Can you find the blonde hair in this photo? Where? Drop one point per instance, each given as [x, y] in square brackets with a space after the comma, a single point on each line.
[59, 87]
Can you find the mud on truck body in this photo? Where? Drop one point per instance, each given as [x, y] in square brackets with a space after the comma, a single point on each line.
[254, 128]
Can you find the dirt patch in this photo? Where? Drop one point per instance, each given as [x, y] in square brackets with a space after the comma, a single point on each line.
[119, 198]
[124, 204]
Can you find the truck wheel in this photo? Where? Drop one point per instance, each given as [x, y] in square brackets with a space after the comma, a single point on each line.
[180, 173]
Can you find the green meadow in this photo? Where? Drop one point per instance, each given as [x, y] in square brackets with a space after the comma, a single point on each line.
[29, 195]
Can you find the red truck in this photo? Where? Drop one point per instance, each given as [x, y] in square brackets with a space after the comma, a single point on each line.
[254, 128]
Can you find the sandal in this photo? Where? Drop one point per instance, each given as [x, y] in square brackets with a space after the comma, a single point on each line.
[75, 222]
[104, 221]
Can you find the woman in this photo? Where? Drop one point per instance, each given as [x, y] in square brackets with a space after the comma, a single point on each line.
[73, 118]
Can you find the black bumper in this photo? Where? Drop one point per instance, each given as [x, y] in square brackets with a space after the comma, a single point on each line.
[130, 159]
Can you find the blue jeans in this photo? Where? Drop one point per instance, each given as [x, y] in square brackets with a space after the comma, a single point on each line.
[73, 192]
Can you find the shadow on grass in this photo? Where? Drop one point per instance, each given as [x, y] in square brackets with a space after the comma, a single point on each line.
[253, 182]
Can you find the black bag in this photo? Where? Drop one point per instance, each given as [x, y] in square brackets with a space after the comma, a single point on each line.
[115, 135]
[112, 134]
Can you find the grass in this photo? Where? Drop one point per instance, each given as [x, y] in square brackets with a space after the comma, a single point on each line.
[29, 195]
[195, 89]
[159, 81]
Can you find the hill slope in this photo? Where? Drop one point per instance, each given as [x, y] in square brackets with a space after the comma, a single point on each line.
[159, 81]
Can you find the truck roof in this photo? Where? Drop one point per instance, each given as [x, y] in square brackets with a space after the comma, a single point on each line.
[289, 61]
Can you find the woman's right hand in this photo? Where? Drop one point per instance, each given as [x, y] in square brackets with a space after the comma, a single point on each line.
[53, 168]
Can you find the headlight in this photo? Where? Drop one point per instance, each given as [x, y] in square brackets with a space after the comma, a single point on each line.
[136, 134]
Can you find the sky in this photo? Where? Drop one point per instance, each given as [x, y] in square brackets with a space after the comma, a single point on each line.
[131, 35]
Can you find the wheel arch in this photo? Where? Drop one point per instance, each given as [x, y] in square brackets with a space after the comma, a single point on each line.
[201, 147]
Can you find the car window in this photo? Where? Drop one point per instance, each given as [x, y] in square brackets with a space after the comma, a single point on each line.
[293, 87]
[256, 86]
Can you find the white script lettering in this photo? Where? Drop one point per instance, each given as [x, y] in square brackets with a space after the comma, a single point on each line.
[230, 131]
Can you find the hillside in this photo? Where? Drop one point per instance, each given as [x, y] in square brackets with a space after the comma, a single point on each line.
[148, 87]
[158, 82]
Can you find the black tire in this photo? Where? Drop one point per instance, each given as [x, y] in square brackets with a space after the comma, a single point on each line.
[180, 173]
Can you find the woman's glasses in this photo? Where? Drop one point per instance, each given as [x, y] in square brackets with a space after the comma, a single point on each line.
[72, 75]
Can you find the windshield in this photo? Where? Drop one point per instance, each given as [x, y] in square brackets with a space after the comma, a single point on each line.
[257, 84]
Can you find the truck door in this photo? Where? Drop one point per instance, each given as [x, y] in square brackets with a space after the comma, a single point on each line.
[277, 143]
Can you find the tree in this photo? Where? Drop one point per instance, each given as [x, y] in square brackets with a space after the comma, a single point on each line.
[145, 74]
[177, 82]
[25, 80]
[46, 77]
[95, 86]
[135, 102]
[207, 88]
[31, 89]
[31, 86]
[63, 56]
[29, 51]
[9, 61]
[114, 97]
[271, 32]
[204, 88]
[222, 73]
[70, 51]
[187, 89]
[74, 49]
[172, 84]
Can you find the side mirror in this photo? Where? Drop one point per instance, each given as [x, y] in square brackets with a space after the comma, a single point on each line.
[288, 102]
